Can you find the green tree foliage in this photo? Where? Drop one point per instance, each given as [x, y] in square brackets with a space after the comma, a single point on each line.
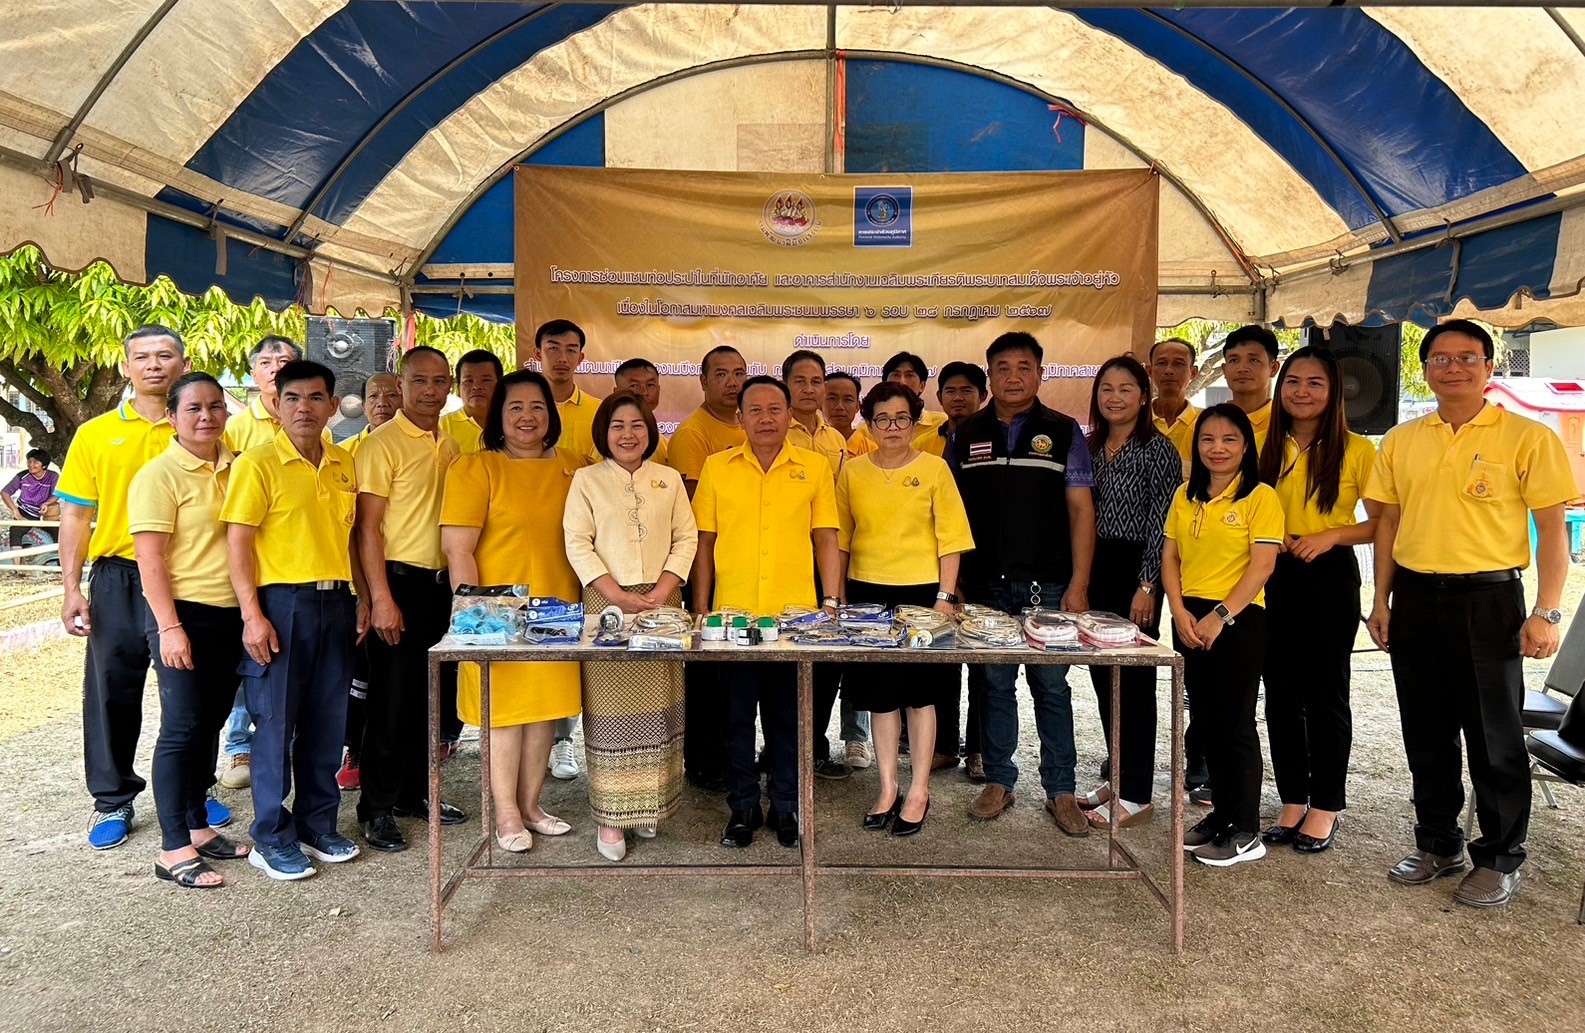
[465, 332]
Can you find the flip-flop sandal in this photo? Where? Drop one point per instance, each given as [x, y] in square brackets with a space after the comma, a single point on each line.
[222, 848]
[1133, 814]
[1095, 798]
[549, 825]
[186, 873]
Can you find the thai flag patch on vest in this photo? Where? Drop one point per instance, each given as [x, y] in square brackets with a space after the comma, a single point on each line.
[981, 449]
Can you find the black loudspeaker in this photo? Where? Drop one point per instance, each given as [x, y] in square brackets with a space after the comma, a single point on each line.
[1369, 356]
[355, 350]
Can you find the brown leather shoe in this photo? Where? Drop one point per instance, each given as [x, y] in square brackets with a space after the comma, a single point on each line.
[1070, 819]
[943, 760]
[991, 802]
[1487, 887]
[975, 768]
[1421, 867]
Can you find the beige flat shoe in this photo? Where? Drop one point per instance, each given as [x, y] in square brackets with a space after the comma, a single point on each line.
[611, 851]
[516, 842]
[549, 825]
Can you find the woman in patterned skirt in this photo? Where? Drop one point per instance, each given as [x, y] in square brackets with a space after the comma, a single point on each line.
[631, 539]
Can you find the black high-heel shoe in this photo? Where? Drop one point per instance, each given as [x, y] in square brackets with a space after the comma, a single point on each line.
[878, 822]
[909, 828]
[1279, 834]
[1306, 844]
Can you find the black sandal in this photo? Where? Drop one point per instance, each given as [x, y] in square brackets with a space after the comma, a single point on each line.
[222, 848]
[186, 873]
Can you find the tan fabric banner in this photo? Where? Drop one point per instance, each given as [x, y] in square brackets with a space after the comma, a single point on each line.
[667, 265]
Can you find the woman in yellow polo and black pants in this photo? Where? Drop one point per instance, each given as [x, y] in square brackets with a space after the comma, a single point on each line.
[1223, 534]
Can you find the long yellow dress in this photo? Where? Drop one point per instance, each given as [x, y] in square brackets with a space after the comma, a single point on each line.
[518, 505]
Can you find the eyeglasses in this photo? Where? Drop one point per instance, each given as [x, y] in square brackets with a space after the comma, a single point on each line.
[889, 422]
[1444, 361]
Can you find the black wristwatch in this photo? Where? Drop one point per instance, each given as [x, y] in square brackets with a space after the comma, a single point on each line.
[946, 597]
[1222, 614]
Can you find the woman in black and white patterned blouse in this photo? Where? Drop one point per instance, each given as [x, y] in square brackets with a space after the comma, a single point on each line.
[1137, 470]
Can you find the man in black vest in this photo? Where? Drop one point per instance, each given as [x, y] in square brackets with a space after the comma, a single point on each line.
[1024, 472]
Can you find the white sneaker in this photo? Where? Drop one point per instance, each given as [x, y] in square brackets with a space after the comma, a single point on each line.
[860, 754]
[563, 760]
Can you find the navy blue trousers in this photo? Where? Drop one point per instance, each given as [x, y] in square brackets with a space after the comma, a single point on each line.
[299, 707]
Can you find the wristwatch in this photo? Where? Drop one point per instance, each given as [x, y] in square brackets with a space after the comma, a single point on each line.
[946, 597]
[830, 601]
[1147, 588]
[1550, 616]
[1222, 614]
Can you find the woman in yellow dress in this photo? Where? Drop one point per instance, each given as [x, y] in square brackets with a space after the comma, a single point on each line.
[499, 503]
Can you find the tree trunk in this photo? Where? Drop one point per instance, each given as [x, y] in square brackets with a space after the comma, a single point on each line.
[69, 396]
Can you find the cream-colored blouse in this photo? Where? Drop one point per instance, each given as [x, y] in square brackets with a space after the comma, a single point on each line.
[631, 526]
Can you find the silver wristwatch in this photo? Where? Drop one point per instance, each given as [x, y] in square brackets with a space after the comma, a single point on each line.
[1550, 616]
[1223, 614]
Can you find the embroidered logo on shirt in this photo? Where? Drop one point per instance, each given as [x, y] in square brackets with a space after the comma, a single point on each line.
[798, 475]
[1041, 443]
[117, 441]
[1231, 519]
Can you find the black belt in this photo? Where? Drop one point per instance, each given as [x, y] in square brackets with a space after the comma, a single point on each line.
[439, 577]
[314, 586]
[1456, 582]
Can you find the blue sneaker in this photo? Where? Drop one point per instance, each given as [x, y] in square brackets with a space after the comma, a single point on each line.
[284, 863]
[330, 847]
[216, 813]
[109, 828]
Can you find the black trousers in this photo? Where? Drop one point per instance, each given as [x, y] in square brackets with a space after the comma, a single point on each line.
[1225, 680]
[1114, 578]
[394, 761]
[771, 692]
[1313, 610]
[1455, 660]
[194, 706]
[114, 671]
[828, 682]
[358, 698]
[949, 713]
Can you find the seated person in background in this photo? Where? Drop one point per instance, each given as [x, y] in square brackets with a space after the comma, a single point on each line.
[29, 493]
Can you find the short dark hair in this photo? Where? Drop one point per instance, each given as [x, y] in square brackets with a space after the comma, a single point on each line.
[1459, 326]
[494, 437]
[885, 391]
[762, 382]
[802, 355]
[43, 456]
[557, 327]
[155, 330]
[850, 378]
[1199, 486]
[271, 343]
[422, 349]
[720, 349]
[1014, 340]
[607, 410]
[968, 371]
[480, 357]
[304, 369]
[629, 365]
[921, 370]
[1253, 334]
[173, 397]
[1194, 356]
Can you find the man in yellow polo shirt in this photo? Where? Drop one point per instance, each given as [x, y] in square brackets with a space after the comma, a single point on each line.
[1172, 369]
[758, 507]
[641, 377]
[258, 422]
[713, 427]
[961, 388]
[558, 348]
[289, 509]
[1458, 488]
[909, 370]
[105, 453]
[401, 479]
[477, 374]
[382, 396]
[842, 402]
[1249, 365]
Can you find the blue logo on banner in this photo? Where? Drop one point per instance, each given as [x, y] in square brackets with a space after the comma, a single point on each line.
[883, 216]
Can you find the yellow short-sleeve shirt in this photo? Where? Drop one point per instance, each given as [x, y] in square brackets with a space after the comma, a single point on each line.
[762, 520]
[1301, 514]
[1214, 538]
[896, 524]
[106, 453]
[1465, 498]
[577, 422]
[250, 428]
[1180, 431]
[461, 428]
[406, 466]
[304, 513]
[352, 444]
[826, 440]
[178, 494]
[698, 437]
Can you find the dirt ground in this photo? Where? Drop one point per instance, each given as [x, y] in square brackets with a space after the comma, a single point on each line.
[92, 941]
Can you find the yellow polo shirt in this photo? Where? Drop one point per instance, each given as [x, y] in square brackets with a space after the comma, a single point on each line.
[250, 428]
[462, 429]
[1214, 538]
[352, 444]
[304, 513]
[407, 467]
[1465, 498]
[896, 524]
[1260, 420]
[698, 437]
[178, 494]
[1181, 431]
[577, 422]
[826, 440]
[762, 520]
[1301, 514]
[106, 453]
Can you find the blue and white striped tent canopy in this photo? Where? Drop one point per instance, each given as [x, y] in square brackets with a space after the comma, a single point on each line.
[1366, 164]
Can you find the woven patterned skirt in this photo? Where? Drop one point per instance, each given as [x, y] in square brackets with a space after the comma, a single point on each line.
[632, 733]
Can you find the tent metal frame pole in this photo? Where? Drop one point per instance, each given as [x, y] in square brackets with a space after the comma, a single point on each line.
[1567, 29]
[64, 137]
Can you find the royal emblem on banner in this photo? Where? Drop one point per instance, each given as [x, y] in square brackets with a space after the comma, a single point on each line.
[789, 218]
